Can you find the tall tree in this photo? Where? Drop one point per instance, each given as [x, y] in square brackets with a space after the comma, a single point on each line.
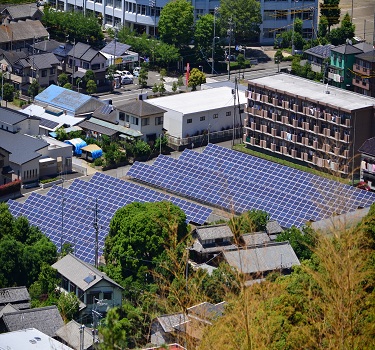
[143, 75]
[91, 87]
[204, 33]
[245, 16]
[176, 22]
[331, 10]
[8, 93]
[34, 89]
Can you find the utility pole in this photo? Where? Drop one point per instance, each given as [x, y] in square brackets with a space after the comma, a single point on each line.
[74, 61]
[234, 109]
[213, 43]
[230, 42]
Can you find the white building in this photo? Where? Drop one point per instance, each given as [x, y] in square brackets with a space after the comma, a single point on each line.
[143, 15]
[200, 112]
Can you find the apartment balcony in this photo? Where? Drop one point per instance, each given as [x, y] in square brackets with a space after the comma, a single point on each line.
[19, 79]
[361, 84]
[361, 70]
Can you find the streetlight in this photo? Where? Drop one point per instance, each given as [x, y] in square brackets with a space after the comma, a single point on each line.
[213, 41]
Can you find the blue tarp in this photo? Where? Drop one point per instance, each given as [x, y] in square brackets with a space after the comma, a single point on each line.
[96, 154]
[77, 145]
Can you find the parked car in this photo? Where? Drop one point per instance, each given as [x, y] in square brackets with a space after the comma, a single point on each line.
[125, 73]
[136, 71]
[125, 80]
[232, 58]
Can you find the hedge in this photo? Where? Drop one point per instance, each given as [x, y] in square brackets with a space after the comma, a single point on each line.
[11, 187]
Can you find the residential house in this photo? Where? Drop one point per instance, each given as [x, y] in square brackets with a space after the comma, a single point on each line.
[81, 58]
[258, 260]
[21, 69]
[210, 241]
[143, 15]
[210, 113]
[28, 339]
[174, 327]
[367, 168]
[119, 54]
[342, 60]
[21, 35]
[73, 333]
[18, 122]
[318, 57]
[95, 290]
[18, 297]
[45, 319]
[308, 122]
[21, 12]
[364, 73]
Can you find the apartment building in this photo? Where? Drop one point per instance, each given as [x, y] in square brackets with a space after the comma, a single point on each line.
[364, 78]
[307, 122]
[143, 15]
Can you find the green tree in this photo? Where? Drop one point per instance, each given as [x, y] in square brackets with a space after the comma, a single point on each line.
[142, 149]
[241, 61]
[341, 34]
[68, 86]
[33, 89]
[155, 88]
[196, 77]
[203, 33]
[89, 75]
[278, 56]
[176, 23]
[246, 19]
[164, 143]
[61, 134]
[62, 79]
[161, 88]
[143, 75]
[323, 27]
[180, 81]
[68, 305]
[139, 234]
[330, 9]
[91, 87]
[165, 54]
[8, 93]
[174, 86]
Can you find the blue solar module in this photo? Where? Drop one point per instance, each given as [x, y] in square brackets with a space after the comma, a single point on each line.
[238, 182]
[66, 215]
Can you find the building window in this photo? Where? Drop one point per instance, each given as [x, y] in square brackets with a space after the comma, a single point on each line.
[121, 116]
[64, 283]
[95, 66]
[73, 288]
[145, 121]
[107, 295]
[52, 70]
[189, 121]
[135, 121]
[92, 298]
[127, 118]
[44, 73]
[159, 121]
[202, 118]
[108, 18]
[215, 116]
[228, 114]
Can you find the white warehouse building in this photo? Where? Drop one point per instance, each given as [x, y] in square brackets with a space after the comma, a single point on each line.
[143, 15]
[205, 111]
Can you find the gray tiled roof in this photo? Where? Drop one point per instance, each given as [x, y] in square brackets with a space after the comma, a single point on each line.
[213, 232]
[70, 334]
[46, 319]
[23, 148]
[44, 60]
[22, 11]
[367, 56]
[273, 227]
[198, 247]
[7, 309]
[140, 108]
[346, 49]
[83, 51]
[255, 238]
[76, 270]
[109, 116]
[365, 47]
[368, 147]
[89, 55]
[169, 322]
[22, 30]
[46, 45]
[13, 56]
[207, 311]
[14, 295]
[10, 116]
[267, 257]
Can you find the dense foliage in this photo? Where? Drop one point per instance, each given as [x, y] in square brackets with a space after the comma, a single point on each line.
[23, 250]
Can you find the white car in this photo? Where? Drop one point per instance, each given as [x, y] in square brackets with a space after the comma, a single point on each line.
[125, 80]
[125, 73]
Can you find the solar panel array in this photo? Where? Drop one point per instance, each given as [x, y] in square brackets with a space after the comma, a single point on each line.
[48, 123]
[67, 214]
[238, 182]
[106, 109]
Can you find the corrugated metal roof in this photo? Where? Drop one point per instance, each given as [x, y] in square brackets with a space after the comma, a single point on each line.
[62, 98]
[118, 128]
[116, 49]
[214, 232]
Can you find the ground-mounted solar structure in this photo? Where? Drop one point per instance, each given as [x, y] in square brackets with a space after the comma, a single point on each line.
[238, 182]
[67, 215]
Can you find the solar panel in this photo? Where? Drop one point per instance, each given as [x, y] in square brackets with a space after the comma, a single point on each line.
[106, 109]
[48, 123]
[238, 182]
[66, 215]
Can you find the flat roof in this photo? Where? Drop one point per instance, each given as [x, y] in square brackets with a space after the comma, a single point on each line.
[197, 101]
[316, 91]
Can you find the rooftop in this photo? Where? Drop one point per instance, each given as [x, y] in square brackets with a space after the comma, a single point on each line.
[140, 108]
[22, 30]
[10, 116]
[83, 275]
[304, 88]
[347, 49]
[368, 147]
[197, 101]
[255, 238]
[70, 334]
[262, 258]
[116, 48]
[322, 51]
[213, 232]
[367, 56]
[22, 11]
[14, 295]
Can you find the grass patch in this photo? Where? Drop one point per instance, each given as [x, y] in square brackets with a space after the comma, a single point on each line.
[307, 169]
[46, 181]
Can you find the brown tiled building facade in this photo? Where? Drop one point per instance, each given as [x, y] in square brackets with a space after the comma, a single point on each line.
[306, 121]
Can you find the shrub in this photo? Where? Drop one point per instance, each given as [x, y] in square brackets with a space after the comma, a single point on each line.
[98, 162]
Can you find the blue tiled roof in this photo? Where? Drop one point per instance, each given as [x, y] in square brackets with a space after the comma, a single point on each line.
[65, 99]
